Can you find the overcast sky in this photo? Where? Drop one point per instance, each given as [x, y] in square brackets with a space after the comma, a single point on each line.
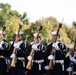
[37, 9]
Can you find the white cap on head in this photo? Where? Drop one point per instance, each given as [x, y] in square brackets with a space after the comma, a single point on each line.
[71, 47]
[1, 32]
[36, 34]
[21, 33]
[55, 32]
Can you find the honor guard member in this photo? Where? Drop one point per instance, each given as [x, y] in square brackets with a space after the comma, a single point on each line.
[38, 57]
[70, 62]
[21, 47]
[3, 53]
[57, 57]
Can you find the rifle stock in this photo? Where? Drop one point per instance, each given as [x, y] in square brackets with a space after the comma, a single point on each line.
[51, 64]
[70, 73]
[29, 64]
[13, 62]
[51, 61]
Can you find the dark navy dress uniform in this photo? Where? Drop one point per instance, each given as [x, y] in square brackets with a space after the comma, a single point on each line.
[3, 57]
[38, 60]
[59, 59]
[59, 55]
[19, 69]
[70, 65]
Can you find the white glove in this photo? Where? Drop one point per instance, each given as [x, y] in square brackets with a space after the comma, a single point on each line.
[51, 57]
[46, 67]
[69, 69]
[55, 45]
[34, 47]
[16, 45]
[29, 57]
[13, 56]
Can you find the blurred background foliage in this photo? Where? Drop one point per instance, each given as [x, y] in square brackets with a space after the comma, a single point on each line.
[12, 19]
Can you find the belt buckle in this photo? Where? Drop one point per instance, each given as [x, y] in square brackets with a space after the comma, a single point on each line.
[36, 61]
[1, 56]
[62, 61]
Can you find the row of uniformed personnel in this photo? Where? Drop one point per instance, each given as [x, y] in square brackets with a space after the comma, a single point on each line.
[40, 58]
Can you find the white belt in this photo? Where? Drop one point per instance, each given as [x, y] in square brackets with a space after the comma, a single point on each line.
[59, 61]
[74, 72]
[38, 61]
[22, 59]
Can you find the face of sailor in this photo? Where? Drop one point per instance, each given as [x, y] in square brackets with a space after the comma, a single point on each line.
[71, 51]
[21, 37]
[54, 37]
[17, 39]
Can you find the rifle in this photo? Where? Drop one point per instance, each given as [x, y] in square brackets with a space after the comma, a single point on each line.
[13, 62]
[4, 28]
[52, 53]
[29, 64]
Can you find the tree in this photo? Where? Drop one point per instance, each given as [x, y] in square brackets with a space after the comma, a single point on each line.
[11, 18]
[74, 24]
[6, 13]
[24, 18]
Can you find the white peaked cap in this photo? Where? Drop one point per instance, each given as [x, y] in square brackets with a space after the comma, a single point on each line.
[21, 33]
[36, 34]
[71, 47]
[55, 32]
[1, 32]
